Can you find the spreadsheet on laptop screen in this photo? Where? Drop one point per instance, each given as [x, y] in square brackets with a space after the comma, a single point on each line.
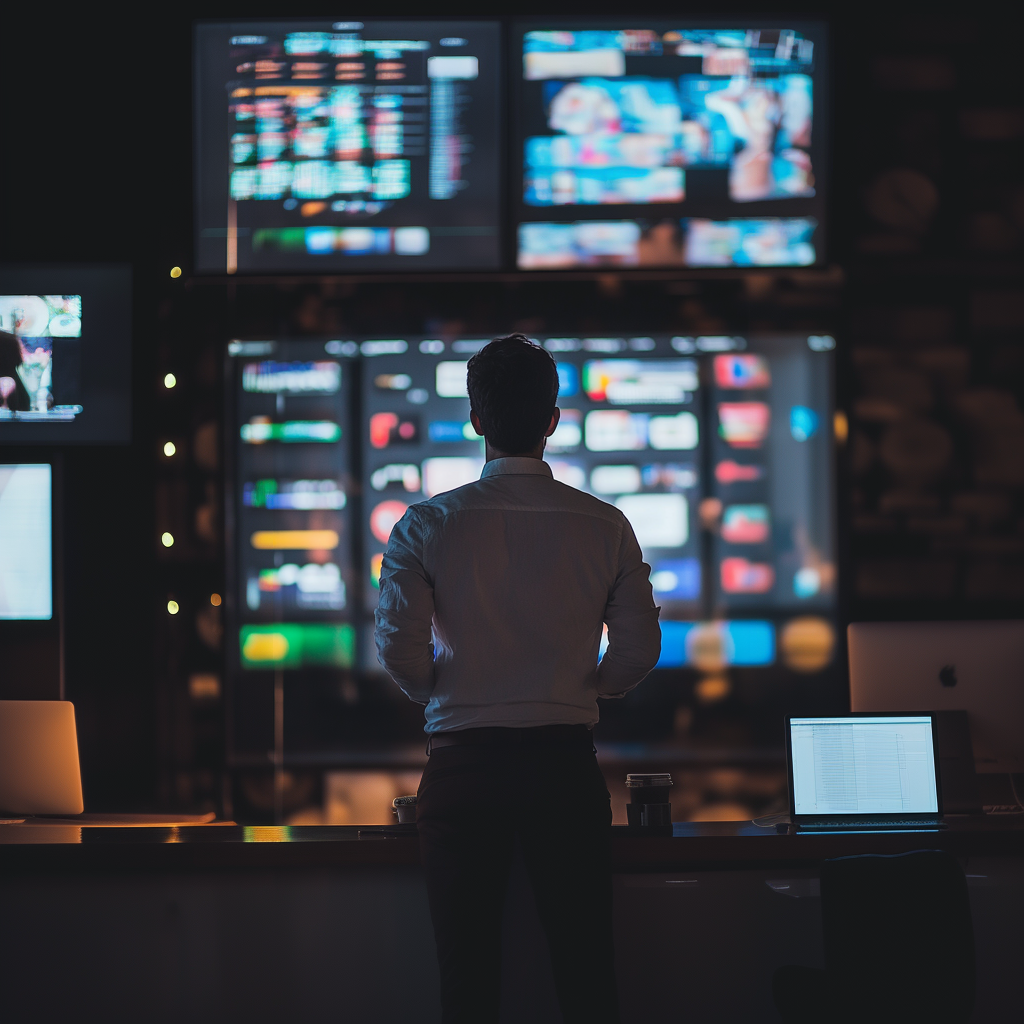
[877, 765]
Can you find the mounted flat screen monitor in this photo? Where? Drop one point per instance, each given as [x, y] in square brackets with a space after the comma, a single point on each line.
[342, 146]
[718, 450]
[65, 355]
[669, 143]
[26, 556]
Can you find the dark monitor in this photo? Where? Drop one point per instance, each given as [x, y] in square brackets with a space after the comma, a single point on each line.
[347, 145]
[65, 355]
[661, 142]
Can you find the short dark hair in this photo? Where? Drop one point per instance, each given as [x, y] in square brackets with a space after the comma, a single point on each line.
[513, 387]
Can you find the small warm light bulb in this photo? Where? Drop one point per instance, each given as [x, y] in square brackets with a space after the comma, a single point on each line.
[172, 607]
[167, 539]
[169, 449]
[175, 272]
[170, 380]
[215, 600]
[841, 426]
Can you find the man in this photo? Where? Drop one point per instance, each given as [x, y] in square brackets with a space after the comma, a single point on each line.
[492, 602]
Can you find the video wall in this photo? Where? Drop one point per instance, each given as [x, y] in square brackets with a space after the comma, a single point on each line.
[488, 144]
[717, 449]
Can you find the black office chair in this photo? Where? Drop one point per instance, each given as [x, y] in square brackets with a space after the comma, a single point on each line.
[899, 945]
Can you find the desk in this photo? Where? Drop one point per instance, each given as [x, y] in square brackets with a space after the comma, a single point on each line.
[308, 924]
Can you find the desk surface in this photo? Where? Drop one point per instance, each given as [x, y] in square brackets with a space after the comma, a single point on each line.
[692, 845]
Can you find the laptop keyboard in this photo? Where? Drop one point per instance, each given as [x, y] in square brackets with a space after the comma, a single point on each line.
[888, 823]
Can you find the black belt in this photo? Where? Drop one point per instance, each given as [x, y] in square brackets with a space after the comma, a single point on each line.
[501, 736]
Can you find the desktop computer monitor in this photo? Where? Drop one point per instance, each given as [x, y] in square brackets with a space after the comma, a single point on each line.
[348, 145]
[660, 142]
[65, 355]
[977, 667]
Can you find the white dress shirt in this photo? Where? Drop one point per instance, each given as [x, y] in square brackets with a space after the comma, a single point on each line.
[493, 596]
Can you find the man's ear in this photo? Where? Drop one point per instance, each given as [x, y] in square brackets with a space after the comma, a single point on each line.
[551, 426]
[475, 420]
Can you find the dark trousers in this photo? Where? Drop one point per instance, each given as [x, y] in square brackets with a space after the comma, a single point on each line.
[474, 802]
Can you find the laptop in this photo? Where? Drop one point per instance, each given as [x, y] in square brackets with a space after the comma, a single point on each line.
[977, 667]
[863, 773]
[39, 771]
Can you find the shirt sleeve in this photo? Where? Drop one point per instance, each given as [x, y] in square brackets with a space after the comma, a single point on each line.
[634, 636]
[405, 611]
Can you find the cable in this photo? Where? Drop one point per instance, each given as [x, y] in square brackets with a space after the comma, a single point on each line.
[1013, 787]
[771, 820]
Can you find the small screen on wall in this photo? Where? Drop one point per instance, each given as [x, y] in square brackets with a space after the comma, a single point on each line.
[65, 355]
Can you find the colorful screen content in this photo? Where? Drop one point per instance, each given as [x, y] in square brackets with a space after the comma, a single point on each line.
[348, 145]
[666, 145]
[65, 355]
[717, 449]
[292, 506]
[31, 322]
[26, 577]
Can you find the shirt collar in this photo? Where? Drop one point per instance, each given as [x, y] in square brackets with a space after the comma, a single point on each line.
[515, 466]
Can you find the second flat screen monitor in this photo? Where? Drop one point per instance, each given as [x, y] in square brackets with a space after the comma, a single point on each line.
[348, 145]
[660, 143]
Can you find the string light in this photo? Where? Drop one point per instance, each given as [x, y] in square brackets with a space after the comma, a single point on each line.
[169, 449]
[215, 600]
[170, 380]
[167, 539]
[172, 607]
[175, 272]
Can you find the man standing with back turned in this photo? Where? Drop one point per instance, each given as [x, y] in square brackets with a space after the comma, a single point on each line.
[492, 600]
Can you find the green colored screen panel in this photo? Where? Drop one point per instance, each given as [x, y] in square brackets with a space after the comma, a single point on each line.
[297, 645]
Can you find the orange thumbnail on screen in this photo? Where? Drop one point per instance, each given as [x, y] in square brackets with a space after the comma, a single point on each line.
[304, 540]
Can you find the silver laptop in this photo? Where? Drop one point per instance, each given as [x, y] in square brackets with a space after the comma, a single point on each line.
[863, 772]
[39, 771]
[977, 667]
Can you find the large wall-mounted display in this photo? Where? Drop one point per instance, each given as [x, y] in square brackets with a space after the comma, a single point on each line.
[65, 355]
[660, 143]
[718, 449]
[354, 146]
[347, 146]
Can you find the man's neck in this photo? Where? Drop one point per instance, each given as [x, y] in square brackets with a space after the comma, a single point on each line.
[490, 454]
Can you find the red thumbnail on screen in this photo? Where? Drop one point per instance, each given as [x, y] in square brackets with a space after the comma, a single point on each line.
[742, 577]
[742, 371]
[744, 424]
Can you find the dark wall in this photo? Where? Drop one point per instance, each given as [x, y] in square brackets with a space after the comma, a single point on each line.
[926, 294]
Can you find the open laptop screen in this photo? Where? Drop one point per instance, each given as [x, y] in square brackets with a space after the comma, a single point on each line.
[882, 764]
